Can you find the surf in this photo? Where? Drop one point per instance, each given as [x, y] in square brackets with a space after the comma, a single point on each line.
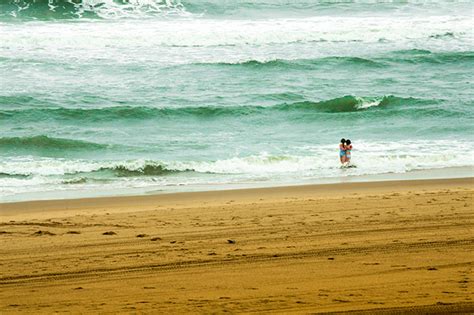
[30, 174]
[81, 9]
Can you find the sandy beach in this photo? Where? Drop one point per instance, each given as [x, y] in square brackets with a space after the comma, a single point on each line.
[381, 247]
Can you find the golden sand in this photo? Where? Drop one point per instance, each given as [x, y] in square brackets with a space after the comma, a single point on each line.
[380, 247]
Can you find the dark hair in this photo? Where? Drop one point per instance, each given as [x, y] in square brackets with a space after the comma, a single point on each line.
[348, 141]
[343, 140]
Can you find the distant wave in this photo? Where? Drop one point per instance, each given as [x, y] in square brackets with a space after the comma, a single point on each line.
[107, 9]
[306, 63]
[110, 9]
[43, 142]
[7, 175]
[387, 60]
[419, 56]
[18, 100]
[345, 104]
[412, 56]
[443, 35]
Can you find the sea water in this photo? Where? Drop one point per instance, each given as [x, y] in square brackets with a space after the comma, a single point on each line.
[104, 95]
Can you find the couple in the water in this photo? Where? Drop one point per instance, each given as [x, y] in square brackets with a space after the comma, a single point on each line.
[345, 148]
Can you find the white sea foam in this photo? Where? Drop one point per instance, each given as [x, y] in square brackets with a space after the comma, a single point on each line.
[364, 104]
[370, 157]
[312, 162]
[206, 40]
[109, 9]
[139, 9]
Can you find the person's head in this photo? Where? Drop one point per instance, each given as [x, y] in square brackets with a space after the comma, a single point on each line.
[343, 141]
[348, 142]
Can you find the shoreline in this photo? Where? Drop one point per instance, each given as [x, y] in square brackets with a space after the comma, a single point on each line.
[442, 173]
[374, 247]
[244, 195]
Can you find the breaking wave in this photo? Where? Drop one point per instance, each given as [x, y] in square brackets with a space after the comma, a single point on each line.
[345, 104]
[147, 169]
[116, 9]
[412, 56]
[371, 157]
[106, 9]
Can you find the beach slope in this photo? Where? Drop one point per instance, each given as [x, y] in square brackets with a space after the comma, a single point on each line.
[386, 247]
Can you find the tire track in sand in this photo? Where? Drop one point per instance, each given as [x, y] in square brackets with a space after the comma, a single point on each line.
[315, 253]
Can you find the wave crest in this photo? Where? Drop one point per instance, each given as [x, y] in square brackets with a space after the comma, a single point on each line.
[306, 63]
[106, 9]
[411, 56]
[43, 142]
[345, 104]
[148, 169]
[351, 104]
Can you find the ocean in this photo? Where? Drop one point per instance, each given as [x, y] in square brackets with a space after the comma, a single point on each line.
[103, 96]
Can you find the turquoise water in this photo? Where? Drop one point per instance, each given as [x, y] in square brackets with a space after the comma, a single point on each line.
[101, 95]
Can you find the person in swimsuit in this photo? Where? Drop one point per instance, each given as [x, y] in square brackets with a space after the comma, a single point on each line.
[348, 148]
[342, 151]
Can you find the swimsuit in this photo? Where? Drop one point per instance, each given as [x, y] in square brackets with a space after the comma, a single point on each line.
[341, 152]
[348, 153]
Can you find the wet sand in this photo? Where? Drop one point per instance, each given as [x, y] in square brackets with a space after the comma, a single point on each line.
[381, 247]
